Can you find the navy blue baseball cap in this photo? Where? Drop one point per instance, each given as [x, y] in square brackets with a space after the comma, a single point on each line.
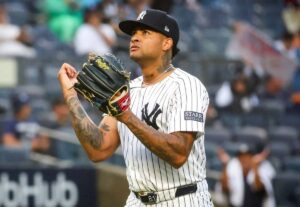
[156, 20]
[18, 100]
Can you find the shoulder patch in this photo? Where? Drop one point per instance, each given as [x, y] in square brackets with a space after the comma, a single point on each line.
[193, 116]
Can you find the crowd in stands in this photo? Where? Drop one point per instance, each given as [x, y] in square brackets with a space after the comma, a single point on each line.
[253, 119]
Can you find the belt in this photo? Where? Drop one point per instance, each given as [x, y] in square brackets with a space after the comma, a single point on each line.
[153, 197]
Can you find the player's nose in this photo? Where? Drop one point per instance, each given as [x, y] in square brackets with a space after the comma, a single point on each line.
[135, 38]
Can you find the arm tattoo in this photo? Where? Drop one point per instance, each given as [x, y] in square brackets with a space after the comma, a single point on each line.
[160, 144]
[85, 129]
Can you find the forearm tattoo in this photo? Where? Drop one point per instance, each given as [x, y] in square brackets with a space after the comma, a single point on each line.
[159, 143]
[85, 129]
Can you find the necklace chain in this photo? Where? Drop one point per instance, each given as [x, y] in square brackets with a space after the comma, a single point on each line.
[169, 68]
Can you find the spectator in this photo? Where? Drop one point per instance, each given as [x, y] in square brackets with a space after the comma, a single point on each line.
[14, 40]
[237, 96]
[60, 120]
[21, 130]
[291, 3]
[291, 15]
[246, 179]
[285, 45]
[273, 90]
[212, 117]
[132, 8]
[296, 44]
[294, 106]
[63, 18]
[94, 35]
[110, 10]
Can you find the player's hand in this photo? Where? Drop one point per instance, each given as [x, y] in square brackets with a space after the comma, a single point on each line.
[67, 78]
[223, 156]
[260, 157]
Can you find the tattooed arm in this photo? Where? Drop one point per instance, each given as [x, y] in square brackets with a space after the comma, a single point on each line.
[99, 142]
[174, 148]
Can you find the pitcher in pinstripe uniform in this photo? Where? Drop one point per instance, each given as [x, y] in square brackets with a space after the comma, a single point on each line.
[162, 134]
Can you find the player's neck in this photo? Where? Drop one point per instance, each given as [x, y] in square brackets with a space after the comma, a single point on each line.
[155, 73]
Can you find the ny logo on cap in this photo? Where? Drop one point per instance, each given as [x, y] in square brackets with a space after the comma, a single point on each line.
[167, 29]
[141, 15]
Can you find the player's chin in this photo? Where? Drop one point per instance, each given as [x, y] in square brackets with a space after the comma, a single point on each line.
[134, 55]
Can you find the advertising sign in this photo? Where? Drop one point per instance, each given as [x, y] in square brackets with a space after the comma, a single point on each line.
[47, 187]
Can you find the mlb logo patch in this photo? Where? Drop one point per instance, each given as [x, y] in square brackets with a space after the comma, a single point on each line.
[193, 116]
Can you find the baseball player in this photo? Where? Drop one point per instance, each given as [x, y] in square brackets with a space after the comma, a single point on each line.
[159, 120]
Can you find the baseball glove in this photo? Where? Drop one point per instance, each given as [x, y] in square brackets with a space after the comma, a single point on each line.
[104, 82]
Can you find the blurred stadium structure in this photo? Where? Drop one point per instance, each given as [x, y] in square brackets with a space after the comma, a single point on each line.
[206, 29]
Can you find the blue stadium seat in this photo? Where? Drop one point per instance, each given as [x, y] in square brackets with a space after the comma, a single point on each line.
[255, 119]
[290, 119]
[231, 120]
[215, 164]
[279, 150]
[2, 121]
[292, 164]
[297, 195]
[12, 156]
[18, 13]
[251, 135]
[210, 150]
[296, 149]
[217, 135]
[284, 134]
[276, 163]
[285, 185]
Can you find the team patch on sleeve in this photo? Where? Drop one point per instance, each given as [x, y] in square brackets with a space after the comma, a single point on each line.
[194, 116]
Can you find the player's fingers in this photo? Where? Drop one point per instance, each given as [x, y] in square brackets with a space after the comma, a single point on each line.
[70, 70]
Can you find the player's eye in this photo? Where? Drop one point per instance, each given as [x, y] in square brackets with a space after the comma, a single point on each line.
[146, 32]
[134, 32]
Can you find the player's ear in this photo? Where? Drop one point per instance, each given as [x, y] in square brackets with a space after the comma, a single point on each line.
[167, 44]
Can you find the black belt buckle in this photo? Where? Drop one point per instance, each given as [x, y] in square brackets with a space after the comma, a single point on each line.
[147, 197]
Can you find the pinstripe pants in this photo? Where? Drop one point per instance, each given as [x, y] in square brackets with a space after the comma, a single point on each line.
[198, 199]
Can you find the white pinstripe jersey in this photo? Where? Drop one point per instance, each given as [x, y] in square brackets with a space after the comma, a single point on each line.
[177, 103]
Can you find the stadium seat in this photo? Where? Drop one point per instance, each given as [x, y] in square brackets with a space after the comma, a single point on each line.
[18, 13]
[218, 136]
[284, 134]
[215, 164]
[2, 120]
[297, 195]
[251, 135]
[290, 119]
[296, 149]
[279, 150]
[210, 150]
[30, 73]
[285, 185]
[51, 82]
[255, 119]
[40, 108]
[231, 120]
[13, 156]
[292, 164]
[276, 163]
